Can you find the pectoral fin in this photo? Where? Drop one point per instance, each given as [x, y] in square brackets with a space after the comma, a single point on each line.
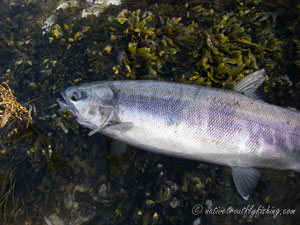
[120, 127]
[245, 179]
[95, 130]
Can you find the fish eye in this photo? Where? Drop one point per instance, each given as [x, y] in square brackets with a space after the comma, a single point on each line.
[78, 95]
[74, 97]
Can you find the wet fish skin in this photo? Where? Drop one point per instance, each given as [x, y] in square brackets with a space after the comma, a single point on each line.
[194, 122]
[214, 125]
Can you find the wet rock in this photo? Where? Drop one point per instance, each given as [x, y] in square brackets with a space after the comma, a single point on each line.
[68, 201]
[54, 219]
[68, 4]
[209, 204]
[95, 10]
[82, 213]
[103, 190]
[49, 22]
[197, 221]
[98, 6]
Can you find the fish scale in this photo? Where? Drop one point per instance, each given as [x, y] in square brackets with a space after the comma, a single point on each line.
[195, 122]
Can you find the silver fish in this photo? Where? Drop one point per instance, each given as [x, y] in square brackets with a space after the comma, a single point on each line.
[231, 128]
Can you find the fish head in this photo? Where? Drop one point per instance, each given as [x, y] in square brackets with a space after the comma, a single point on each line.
[91, 104]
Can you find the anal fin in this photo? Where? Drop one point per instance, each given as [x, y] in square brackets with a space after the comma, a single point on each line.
[245, 179]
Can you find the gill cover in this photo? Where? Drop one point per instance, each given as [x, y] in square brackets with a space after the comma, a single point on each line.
[105, 95]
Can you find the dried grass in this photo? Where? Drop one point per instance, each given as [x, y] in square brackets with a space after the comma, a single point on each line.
[10, 108]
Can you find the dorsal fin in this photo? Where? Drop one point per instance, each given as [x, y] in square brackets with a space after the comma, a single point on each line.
[251, 83]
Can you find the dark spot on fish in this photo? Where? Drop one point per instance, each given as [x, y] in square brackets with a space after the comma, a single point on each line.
[236, 104]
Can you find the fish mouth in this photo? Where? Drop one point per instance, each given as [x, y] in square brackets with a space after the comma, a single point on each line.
[66, 104]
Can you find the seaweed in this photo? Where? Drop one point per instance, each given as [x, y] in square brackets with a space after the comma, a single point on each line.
[150, 49]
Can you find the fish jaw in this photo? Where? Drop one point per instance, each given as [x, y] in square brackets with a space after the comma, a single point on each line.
[66, 104]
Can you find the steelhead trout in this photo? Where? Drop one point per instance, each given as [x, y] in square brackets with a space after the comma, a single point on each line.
[231, 128]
